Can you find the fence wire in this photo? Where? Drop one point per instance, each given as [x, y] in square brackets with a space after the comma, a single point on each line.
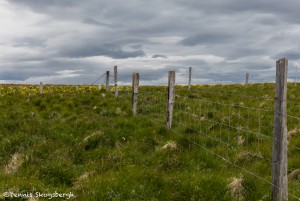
[236, 127]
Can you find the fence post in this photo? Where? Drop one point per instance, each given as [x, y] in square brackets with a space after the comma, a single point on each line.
[296, 73]
[247, 80]
[76, 87]
[171, 98]
[107, 81]
[279, 155]
[41, 87]
[116, 80]
[190, 78]
[135, 87]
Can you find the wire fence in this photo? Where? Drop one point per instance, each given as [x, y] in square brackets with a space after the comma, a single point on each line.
[231, 119]
[237, 129]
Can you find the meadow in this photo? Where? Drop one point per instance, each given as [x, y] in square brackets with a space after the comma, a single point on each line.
[88, 142]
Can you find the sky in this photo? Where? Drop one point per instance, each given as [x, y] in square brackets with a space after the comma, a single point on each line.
[75, 41]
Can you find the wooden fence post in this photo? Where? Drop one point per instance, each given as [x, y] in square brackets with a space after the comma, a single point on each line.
[296, 73]
[190, 78]
[171, 98]
[99, 87]
[279, 155]
[135, 87]
[247, 80]
[41, 87]
[76, 87]
[116, 80]
[107, 81]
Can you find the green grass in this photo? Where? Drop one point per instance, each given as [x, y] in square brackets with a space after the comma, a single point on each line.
[82, 142]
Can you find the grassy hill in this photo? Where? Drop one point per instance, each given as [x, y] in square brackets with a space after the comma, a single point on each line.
[87, 142]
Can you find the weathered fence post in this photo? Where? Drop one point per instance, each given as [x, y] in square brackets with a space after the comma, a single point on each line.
[76, 87]
[116, 80]
[107, 81]
[247, 80]
[171, 98]
[135, 87]
[279, 155]
[296, 73]
[41, 87]
[190, 78]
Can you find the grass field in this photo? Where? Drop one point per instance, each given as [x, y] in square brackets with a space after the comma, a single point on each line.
[87, 142]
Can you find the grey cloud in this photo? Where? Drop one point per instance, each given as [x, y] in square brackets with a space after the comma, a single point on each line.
[231, 6]
[29, 42]
[196, 63]
[75, 30]
[114, 10]
[159, 56]
[92, 45]
[256, 67]
[116, 53]
[42, 5]
[153, 76]
[22, 71]
[91, 21]
[292, 54]
[267, 20]
[136, 46]
[242, 52]
[89, 71]
[206, 39]
[287, 11]
[129, 40]
[11, 75]
[157, 29]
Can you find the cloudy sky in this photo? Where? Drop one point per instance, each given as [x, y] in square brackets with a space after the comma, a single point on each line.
[75, 41]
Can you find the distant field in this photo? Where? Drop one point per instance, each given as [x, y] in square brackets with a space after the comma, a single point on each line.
[87, 142]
